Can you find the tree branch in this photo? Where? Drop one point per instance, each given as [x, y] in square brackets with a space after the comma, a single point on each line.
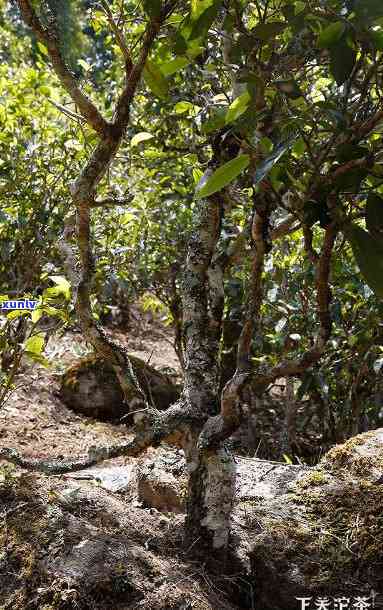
[68, 80]
[365, 128]
[220, 427]
[83, 194]
[260, 228]
[167, 426]
[200, 344]
[215, 273]
[286, 227]
[119, 37]
[110, 201]
[290, 368]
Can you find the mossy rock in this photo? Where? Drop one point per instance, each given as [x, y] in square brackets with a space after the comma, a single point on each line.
[90, 386]
[317, 532]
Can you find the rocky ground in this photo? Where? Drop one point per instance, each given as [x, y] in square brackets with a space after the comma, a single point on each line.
[111, 537]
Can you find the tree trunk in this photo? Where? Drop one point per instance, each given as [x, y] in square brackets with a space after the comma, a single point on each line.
[210, 498]
[211, 469]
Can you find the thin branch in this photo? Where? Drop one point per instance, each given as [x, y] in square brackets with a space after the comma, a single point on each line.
[215, 273]
[68, 80]
[119, 37]
[122, 112]
[260, 226]
[69, 113]
[349, 166]
[290, 368]
[110, 201]
[365, 128]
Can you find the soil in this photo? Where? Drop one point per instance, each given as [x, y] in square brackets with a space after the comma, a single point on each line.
[35, 422]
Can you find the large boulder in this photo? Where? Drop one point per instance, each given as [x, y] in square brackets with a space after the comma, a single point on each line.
[314, 532]
[90, 386]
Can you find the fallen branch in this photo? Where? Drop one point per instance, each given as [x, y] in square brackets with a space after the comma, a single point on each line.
[169, 426]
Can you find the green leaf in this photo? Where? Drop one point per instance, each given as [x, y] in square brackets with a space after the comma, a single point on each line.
[34, 344]
[343, 59]
[368, 10]
[127, 217]
[266, 145]
[180, 45]
[62, 286]
[377, 39]
[17, 313]
[368, 253]
[152, 8]
[197, 175]
[44, 90]
[155, 80]
[299, 148]
[42, 48]
[143, 136]
[264, 31]
[84, 64]
[36, 314]
[374, 213]
[266, 166]
[238, 107]
[202, 24]
[223, 176]
[331, 34]
[38, 358]
[216, 119]
[174, 65]
[198, 7]
[182, 107]
[53, 311]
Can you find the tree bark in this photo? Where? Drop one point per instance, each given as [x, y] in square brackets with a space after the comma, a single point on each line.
[201, 374]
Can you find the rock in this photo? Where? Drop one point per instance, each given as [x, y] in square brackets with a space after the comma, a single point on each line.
[93, 551]
[157, 485]
[159, 490]
[313, 532]
[91, 387]
[112, 478]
